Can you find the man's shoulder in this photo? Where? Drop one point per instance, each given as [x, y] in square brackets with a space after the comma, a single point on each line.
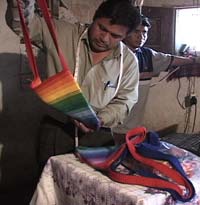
[130, 60]
[144, 50]
[67, 30]
[127, 51]
[63, 24]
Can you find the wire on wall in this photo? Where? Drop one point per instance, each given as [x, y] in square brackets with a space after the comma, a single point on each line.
[189, 104]
[177, 95]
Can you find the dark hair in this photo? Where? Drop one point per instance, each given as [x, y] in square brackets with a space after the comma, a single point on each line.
[145, 21]
[120, 12]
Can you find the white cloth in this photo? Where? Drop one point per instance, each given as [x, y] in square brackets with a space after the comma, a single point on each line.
[67, 181]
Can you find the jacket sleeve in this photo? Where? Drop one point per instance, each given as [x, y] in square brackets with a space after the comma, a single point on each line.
[161, 61]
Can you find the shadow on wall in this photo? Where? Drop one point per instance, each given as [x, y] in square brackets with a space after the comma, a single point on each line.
[20, 115]
[1, 149]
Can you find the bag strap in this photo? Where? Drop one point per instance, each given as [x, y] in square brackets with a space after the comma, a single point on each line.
[138, 136]
[43, 6]
[29, 50]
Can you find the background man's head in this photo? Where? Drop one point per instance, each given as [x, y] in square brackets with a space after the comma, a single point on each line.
[139, 36]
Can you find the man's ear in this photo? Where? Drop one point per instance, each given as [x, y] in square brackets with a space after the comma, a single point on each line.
[129, 34]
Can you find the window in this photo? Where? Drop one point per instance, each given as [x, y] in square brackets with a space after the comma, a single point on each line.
[188, 29]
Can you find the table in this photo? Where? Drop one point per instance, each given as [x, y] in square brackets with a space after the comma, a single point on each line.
[67, 181]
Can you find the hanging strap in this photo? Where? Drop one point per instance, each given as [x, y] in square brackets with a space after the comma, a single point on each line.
[32, 60]
[44, 8]
[120, 69]
[77, 63]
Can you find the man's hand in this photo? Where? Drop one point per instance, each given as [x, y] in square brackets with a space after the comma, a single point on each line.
[82, 127]
[197, 59]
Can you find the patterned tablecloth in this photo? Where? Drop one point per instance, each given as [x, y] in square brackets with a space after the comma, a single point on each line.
[67, 181]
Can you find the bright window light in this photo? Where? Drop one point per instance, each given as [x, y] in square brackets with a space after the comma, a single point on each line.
[188, 28]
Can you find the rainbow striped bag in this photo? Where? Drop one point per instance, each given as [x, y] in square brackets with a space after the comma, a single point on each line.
[61, 90]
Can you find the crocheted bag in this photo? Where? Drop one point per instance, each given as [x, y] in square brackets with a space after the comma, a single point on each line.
[61, 90]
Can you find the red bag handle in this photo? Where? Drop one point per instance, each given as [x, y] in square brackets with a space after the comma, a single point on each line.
[139, 135]
[31, 57]
[32, 61]
[44, 8]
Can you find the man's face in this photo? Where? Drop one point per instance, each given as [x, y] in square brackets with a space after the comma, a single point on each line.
[104, 36]
[137, 38]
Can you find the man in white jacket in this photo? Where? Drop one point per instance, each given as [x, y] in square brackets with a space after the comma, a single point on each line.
[108, 73]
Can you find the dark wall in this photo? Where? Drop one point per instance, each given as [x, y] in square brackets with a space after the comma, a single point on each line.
[161, 34]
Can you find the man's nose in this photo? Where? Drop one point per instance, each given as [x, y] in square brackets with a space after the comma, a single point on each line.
[105, 37]
[141, 35]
